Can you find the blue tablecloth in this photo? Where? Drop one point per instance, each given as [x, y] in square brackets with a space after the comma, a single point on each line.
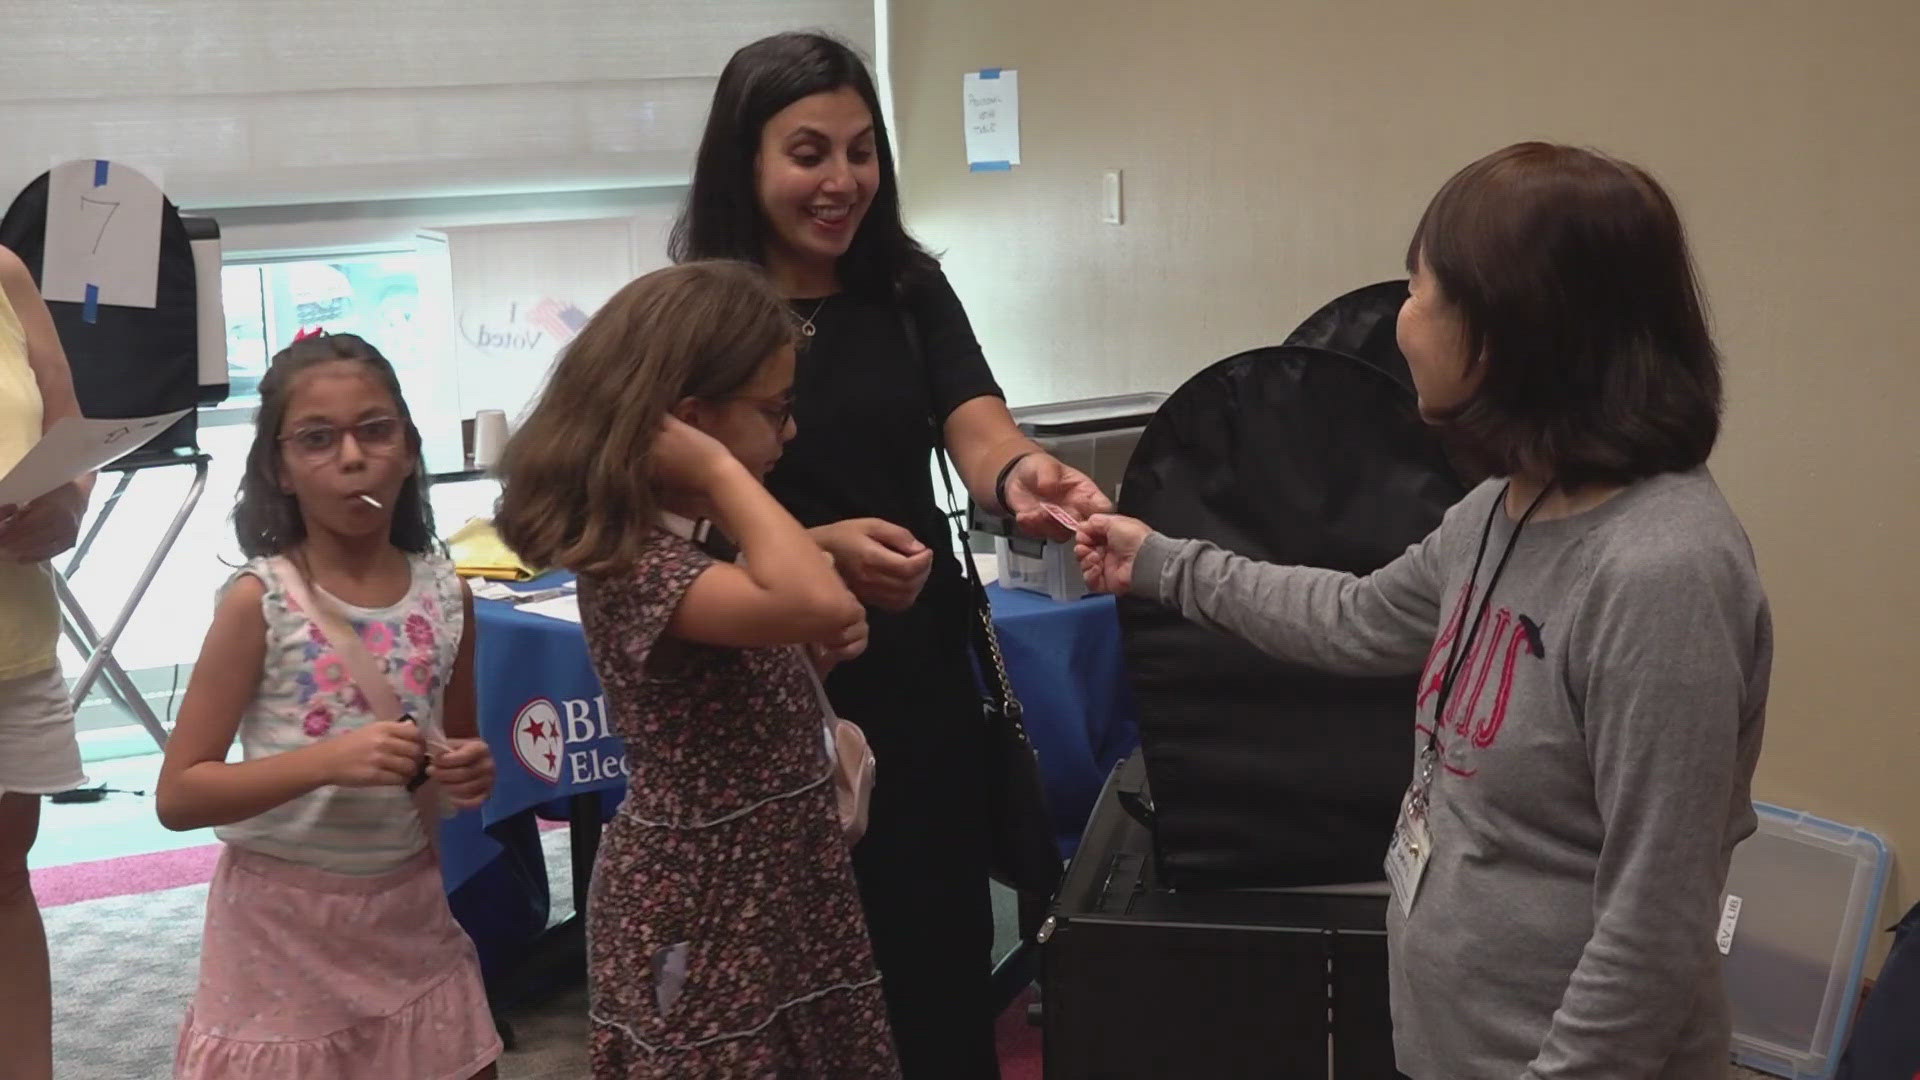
[542, 714]
[541, 711]
[1065, 663]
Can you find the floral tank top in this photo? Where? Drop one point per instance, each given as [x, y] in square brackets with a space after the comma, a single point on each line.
[306, 695]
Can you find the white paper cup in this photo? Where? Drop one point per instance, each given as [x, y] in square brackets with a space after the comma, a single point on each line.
[489, 437]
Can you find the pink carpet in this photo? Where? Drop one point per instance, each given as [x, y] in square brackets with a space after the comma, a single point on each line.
[1019, 1041]
[125, 876]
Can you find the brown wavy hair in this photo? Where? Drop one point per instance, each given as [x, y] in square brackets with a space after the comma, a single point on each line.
[577, 475]
[1571, 272]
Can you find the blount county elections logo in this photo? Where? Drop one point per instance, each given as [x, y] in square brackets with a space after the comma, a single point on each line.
[537, 739]
[570, 737]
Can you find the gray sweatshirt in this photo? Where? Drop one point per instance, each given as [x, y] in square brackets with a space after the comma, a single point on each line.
[1597, 755]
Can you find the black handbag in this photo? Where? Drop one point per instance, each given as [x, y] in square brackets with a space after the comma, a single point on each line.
[1022, 854]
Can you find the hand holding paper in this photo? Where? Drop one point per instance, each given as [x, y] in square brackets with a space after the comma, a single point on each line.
[44, 527]
[74, 447]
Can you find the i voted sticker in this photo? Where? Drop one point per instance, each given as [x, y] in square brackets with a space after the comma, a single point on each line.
[1060, 515]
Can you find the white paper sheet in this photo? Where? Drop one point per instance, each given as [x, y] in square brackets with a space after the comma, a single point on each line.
[992, 102]
[75, 446]
[103, 231]
[565, 608]
[486, 589]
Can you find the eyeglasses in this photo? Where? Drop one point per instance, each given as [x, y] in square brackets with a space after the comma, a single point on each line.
[321, 442]
[778, 413]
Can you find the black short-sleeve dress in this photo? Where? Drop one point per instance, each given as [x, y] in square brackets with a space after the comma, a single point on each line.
[865, 404]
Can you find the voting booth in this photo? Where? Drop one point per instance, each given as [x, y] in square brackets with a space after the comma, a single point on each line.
[1311, 453]
[134, 290]
[1224, 915]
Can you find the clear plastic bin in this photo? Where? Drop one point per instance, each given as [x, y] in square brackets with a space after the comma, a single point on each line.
[1808, 899]
[1094, 435]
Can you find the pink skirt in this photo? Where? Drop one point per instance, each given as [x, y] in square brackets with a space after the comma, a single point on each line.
[323, 976]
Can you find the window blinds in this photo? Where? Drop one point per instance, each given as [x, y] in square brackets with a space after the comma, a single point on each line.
[270, 102]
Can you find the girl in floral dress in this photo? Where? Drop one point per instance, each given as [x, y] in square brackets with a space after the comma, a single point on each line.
[329, 951]
[725, 937]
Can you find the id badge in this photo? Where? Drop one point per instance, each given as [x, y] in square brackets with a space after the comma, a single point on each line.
[1408, 852]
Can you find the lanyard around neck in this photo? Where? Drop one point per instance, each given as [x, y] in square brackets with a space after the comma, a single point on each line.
[1461, 651]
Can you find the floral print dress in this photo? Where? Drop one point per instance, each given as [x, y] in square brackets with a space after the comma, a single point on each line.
[725, 936]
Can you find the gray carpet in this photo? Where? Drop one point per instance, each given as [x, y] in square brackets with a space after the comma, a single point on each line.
[124, 969]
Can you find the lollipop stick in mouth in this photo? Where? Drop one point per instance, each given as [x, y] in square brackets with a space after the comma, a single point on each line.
[370, 501]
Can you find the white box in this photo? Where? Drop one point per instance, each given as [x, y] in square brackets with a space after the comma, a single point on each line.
[1039, 566]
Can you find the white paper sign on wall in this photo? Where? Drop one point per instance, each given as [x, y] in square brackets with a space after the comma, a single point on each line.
[991, 98]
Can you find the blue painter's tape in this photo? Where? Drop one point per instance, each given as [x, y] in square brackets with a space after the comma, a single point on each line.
[989, 73]
[99, 174]
[90, 311]
[990, 166]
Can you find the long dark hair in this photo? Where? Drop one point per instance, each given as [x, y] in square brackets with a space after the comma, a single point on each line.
[722, 218]
[1570, 270]
[576, 477]
[266, 519]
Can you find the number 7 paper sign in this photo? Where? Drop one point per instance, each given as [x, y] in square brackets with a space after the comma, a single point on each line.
[103, 236]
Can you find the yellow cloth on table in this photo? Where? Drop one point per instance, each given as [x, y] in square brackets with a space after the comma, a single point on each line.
[478, 551]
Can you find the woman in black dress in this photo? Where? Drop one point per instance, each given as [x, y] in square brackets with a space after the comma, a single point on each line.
[795, 172]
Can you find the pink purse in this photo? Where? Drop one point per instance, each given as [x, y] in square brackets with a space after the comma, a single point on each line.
[380, 695]
[853, 762]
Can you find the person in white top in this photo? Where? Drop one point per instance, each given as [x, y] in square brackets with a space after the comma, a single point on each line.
[342, 656]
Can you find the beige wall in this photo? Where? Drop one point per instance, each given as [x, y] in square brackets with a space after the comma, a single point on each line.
[1277, 154]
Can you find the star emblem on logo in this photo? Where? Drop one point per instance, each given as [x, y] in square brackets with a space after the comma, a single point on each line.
[536, 739]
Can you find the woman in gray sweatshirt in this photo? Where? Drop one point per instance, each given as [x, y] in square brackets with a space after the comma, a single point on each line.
[1594, 641]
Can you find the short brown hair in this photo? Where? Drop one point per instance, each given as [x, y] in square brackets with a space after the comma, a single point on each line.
[1571, 273]
[577, 475]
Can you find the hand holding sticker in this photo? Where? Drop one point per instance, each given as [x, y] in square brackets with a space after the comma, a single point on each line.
[1061, 515]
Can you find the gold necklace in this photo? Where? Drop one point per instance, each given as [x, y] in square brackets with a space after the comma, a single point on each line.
[806, 324]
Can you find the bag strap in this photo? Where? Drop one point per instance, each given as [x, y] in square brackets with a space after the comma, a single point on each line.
[379, 693]
[829, 719]
[366, 675]
[980, 632]
[819, 688]
[704, 536]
